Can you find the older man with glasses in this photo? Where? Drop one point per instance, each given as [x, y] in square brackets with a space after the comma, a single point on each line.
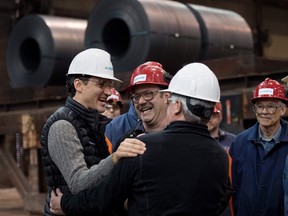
[259, 155]
[146, 100]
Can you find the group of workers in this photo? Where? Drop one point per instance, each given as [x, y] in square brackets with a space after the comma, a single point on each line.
[167, 154]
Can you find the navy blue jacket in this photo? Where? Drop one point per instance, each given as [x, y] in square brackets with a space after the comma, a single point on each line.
[258, 178]
[120, 125]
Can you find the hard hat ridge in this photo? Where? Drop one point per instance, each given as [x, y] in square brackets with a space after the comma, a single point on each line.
[195, 80]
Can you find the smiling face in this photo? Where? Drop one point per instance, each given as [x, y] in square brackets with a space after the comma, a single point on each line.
[150, 104]
[93, 92]
[269, 112]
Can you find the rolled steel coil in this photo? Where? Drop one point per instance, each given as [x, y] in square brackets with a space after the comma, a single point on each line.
[40, 49]
[170, 32]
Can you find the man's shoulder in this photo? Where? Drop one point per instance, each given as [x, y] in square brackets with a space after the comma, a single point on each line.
[153, 137]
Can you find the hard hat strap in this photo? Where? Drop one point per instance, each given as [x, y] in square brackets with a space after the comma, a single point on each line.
[167, 77]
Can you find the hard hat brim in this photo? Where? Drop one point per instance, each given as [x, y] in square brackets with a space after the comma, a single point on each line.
[187, 95]
[104, 76]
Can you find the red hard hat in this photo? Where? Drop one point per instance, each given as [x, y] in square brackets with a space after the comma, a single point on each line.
[149, 73]
[217, 108]
[270, 89]
[115, 96]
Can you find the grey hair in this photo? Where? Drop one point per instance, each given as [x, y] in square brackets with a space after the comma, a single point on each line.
[188, 115]
[281, 103]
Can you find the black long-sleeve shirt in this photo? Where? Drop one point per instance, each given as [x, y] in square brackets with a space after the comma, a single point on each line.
[183, 172]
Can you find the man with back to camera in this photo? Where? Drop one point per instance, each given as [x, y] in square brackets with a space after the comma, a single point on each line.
[184, 171]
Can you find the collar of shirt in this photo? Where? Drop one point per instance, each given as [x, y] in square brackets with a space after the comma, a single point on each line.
[268, 144]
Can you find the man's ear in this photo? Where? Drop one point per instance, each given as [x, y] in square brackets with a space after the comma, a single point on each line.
[283, 111]
[78, 85]
[178, 107]
[166, 97]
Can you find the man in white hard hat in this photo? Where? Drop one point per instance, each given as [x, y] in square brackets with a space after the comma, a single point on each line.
[184, 171]
[74, 152]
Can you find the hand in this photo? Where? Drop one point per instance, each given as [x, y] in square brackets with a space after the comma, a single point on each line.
[129, 148]
[55, 206]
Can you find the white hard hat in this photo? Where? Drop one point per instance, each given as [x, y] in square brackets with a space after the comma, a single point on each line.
[93, 62]
[195, 80]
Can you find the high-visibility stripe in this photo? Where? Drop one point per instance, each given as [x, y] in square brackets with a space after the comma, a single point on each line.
[109, 144]
[230, 176]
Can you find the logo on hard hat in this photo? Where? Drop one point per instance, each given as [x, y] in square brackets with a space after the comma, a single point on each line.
[139, 78]
[109, 68]
[266, 91]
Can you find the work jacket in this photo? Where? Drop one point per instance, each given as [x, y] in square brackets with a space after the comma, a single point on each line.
[119, 126]
[257, 178]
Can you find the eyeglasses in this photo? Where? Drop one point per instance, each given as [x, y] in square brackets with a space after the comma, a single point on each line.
[270, 108]
[149, 95]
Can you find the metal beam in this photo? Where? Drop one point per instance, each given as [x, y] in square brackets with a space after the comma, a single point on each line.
[15, 174]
